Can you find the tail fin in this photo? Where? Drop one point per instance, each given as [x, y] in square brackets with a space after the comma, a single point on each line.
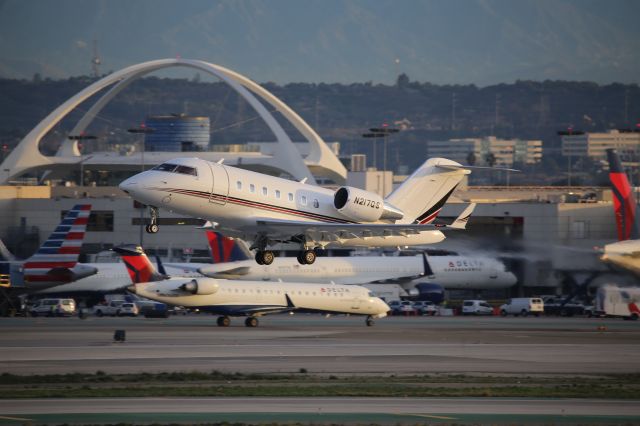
[140, 268]
[624, 203]
[5, 254]
[55, 258]
[226, 249]
[423, 194]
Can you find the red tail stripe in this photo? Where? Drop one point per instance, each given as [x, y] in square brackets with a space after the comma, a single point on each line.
[69, 250]
[74, 236]
[81, 221]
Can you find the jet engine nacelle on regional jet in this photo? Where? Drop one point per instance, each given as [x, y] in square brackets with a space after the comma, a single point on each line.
[363, 206]
[202, 288]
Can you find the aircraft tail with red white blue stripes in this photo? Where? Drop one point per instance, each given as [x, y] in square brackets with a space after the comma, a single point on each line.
[624, 203]
[56, 261]
[226, 249]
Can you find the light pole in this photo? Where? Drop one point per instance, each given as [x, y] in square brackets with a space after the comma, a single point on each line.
[385, 131]
[143, 130]
[79, 138]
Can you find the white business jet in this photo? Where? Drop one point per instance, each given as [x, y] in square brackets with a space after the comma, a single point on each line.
[250, 299]
[268, 210]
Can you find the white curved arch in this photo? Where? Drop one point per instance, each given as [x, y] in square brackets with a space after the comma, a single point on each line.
[319, 154]
[27, 155]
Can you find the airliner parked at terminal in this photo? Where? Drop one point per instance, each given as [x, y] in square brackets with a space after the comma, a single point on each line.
[451, 272]
[247, 298]
[269, 210]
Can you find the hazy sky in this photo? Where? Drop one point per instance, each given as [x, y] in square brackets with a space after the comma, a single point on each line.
[456, 41]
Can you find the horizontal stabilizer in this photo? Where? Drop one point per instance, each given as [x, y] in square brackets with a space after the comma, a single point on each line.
[463, 218]
[460, 167]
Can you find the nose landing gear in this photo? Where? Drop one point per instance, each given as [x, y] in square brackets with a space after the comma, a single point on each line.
[152, 228]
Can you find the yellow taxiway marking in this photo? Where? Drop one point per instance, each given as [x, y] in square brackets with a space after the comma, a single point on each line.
[15, 418]
[433, 417]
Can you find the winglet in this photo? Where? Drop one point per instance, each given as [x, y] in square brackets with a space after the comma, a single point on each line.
[461, 221]
[289, 302]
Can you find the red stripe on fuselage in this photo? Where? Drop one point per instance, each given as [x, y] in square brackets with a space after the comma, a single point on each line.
[258, 205]
[42, 265]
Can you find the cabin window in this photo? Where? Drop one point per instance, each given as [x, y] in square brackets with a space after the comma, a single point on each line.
[290, 196]
[239, 185]
[277, 193]
[303, 200]
[252, 188]
[265, 191]
[316, 203]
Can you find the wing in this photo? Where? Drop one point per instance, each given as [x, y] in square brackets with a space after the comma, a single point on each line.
[314, 231]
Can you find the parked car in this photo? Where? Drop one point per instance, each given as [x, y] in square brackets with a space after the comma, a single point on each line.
[476, 307]
[523, 306]
[110, 309]
[128, 309]
[425, 307]
[53, 307]
[401, 307]
[560, 306]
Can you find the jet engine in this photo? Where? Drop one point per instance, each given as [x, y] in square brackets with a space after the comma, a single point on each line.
[200, 288]
[428, 291]
[363, 206]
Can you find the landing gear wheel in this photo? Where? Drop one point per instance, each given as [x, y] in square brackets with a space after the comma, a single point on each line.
[309, 256]
[224, 321]
[251, 322]
[267, 257]
[369, 321]
[152, 227]
[259, 258]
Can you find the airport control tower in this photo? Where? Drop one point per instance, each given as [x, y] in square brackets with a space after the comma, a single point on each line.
[177, 133]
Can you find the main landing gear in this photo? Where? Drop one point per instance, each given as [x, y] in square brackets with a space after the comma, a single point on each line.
[265, 257]
[307, 257]
[152, 227]
[225, 321]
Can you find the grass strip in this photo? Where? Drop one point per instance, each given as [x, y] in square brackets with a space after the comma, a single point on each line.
[350, 390]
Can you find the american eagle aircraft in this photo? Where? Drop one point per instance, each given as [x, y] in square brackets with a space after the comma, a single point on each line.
[268, 210]
[250, 299]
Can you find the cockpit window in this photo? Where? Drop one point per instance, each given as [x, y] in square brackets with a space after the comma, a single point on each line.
[186, 170]
[174, 168]
[166, 167]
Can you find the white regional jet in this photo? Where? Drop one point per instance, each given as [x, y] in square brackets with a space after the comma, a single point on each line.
[269, 210]
[247, 298]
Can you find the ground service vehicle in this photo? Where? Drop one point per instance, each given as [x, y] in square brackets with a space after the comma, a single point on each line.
[476, 307]
[53, 307]
[613, 301]
[523, 306]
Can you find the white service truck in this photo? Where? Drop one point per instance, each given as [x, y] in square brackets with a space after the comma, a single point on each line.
[614, 301]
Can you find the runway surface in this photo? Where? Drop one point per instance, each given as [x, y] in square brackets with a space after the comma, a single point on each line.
[376, 410]
[282, 343]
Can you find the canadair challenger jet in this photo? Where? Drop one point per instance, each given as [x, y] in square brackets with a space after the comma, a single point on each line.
[268, 210]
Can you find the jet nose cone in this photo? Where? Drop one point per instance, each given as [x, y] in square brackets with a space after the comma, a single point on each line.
[129, 185]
